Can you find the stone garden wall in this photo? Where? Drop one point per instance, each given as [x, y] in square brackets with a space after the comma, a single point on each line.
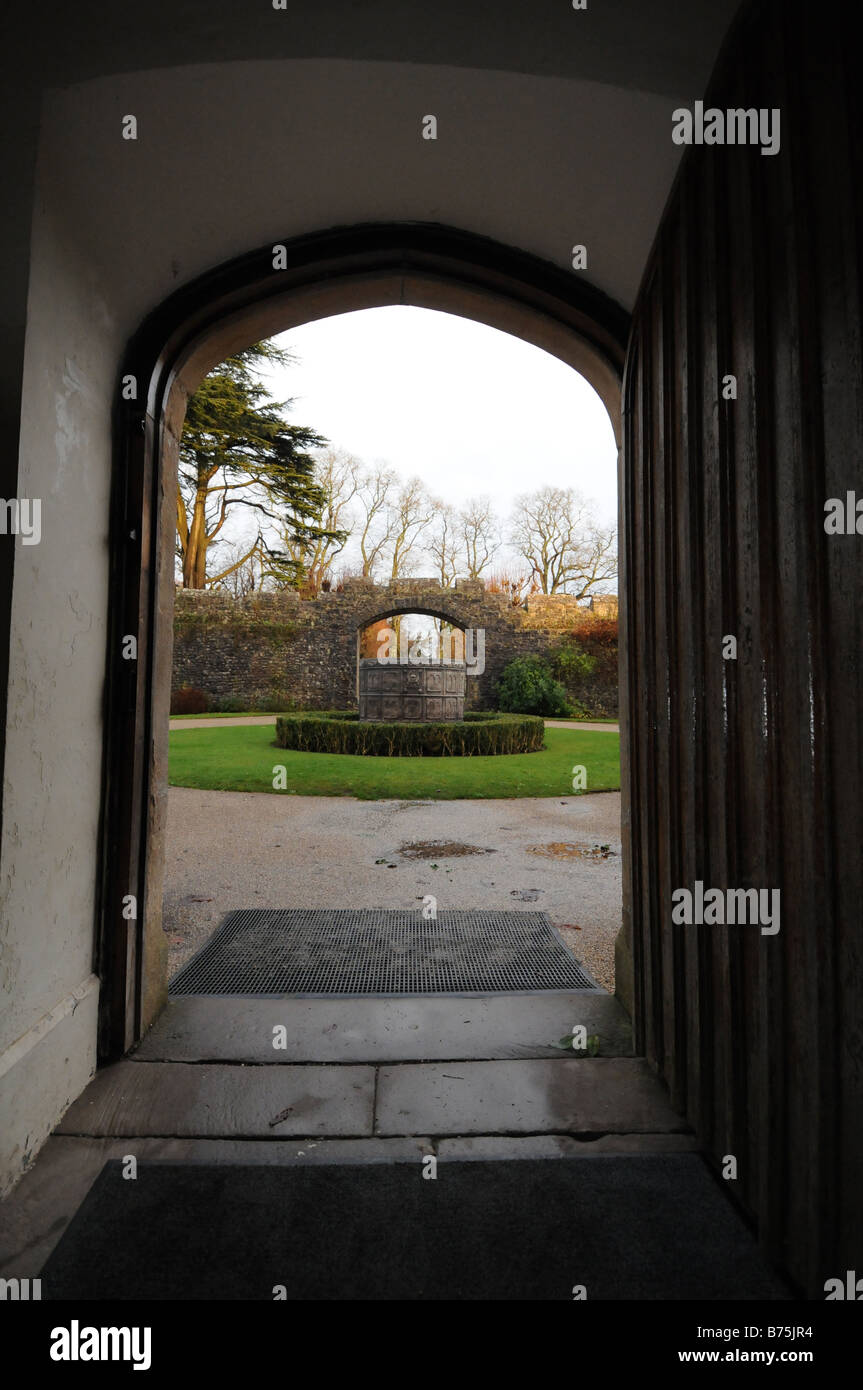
[280, 649]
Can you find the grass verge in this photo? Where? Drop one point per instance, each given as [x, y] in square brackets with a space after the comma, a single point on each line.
[242, 759]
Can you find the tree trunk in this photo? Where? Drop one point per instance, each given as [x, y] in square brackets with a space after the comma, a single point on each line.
[195, 558]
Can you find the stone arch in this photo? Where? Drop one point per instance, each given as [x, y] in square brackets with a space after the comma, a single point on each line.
[447, 604]
[445, 611]
[320, 275]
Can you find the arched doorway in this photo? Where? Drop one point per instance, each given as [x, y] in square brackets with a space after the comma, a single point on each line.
[268, 291]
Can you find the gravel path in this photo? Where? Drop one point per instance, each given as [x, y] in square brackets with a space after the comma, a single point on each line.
[205, 723]
[582, 724]
[229, 850]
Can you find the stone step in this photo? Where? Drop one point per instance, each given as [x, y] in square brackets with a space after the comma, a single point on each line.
[566, 1095]
[501, 1026]
[219, 1101]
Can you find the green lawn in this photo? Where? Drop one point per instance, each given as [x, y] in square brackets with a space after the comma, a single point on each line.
[242, 760]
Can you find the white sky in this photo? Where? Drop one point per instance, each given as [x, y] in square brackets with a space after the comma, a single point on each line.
[469, 409]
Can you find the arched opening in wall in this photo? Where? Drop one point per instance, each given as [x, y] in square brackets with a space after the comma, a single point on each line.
[432, 637]
[413, 664]
[339, 273]
[412, 635]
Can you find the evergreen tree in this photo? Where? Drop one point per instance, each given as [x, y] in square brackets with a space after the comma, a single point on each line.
[237, 451]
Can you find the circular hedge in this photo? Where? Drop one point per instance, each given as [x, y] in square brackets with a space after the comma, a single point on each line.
[341, 731]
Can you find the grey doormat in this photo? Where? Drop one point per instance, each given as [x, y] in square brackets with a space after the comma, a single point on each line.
[277, 951]
[622, 1227]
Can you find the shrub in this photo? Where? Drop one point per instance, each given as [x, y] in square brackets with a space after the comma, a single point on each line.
[274, 701]
[527, 686]
[229, 704]
[598, 639]
[189, 700]
[578, 710]
[571, 663]
[598, 633]
[342, 732]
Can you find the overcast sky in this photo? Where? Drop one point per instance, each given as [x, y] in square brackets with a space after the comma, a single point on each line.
[469, 409]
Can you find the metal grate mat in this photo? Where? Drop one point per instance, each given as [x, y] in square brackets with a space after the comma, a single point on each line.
[277, 951]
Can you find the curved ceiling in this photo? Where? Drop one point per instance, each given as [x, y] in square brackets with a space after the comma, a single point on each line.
[662, 46]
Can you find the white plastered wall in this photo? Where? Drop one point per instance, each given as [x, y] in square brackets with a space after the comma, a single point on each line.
[54, 737]
[227, 159]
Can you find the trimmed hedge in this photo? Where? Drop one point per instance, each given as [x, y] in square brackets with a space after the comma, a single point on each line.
[481, 732]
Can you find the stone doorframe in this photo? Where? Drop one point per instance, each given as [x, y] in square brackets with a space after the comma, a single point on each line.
[197, 327]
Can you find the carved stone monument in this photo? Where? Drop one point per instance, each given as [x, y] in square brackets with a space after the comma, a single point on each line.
[414, 692]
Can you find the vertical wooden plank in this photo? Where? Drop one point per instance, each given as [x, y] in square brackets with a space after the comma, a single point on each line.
[627, 989]
[660, 813]
[629, 665]
[712, 869]
[643, 730]
[828, 281]
[672, 632]
[839, 217]
[698, 309]
[688, 820]
[743, 676]
[730, 940]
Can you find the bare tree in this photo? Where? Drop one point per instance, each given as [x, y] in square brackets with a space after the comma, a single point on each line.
[479, 534]
[555, 531]
[243, 568]
[442, 543]
[338, 474]
[374, 496]
[410, 516]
